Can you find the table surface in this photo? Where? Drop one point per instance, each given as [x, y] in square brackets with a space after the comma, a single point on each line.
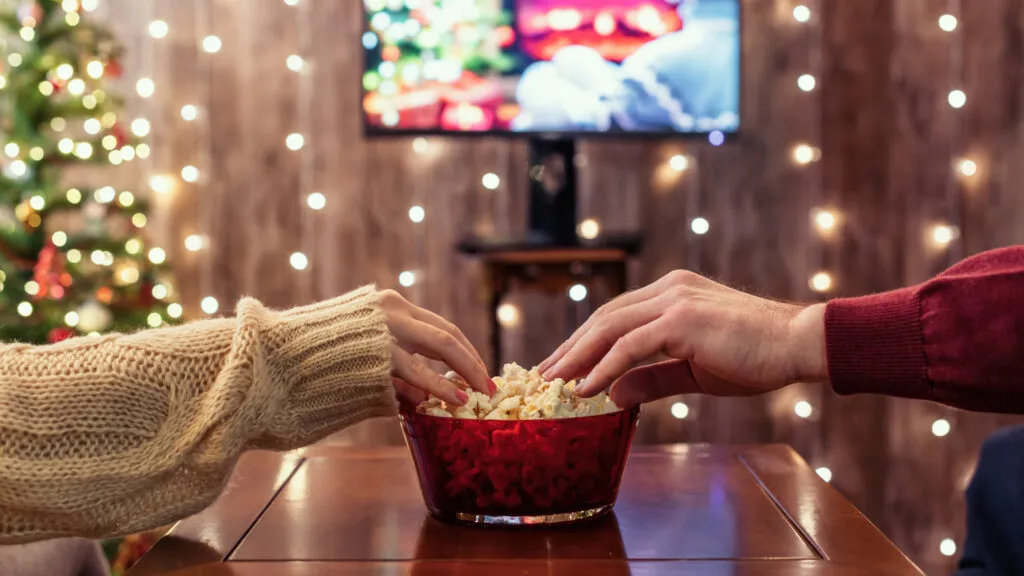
[683, 509]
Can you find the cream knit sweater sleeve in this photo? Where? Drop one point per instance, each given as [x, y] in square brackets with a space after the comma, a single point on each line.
[121, 433]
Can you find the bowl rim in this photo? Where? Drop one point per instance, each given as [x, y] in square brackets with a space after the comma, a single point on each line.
[403, 412]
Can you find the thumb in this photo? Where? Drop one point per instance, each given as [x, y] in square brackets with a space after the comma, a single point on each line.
[653, 382]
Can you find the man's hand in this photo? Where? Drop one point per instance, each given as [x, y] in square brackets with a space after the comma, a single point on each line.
[722, 342]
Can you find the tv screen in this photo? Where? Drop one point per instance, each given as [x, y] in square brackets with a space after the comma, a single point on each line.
[575, 67]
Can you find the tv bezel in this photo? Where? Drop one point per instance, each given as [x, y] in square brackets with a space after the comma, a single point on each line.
[376, 133]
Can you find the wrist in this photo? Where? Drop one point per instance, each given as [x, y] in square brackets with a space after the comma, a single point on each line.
[807, 344]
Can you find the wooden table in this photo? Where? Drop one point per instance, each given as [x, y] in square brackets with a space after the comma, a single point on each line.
[684, 509]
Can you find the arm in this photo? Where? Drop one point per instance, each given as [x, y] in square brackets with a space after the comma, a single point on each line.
[957, 338]
[118, 434]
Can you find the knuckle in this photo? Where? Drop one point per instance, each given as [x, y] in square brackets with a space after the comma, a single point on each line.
[682, 277]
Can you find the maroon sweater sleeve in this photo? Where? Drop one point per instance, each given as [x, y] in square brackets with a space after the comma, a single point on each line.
[957, 338]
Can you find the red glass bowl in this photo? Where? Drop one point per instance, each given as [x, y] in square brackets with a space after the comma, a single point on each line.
[514, 472]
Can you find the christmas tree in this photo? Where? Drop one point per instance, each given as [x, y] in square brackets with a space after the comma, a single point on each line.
[73, 260]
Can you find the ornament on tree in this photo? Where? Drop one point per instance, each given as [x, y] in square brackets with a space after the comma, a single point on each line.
[113, 69]
[93, 317]
[119, 134]
[145, 297]
[59, 334]
[48, 272]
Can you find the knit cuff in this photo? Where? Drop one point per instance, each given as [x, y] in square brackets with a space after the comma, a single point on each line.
[875, 345]
[337, 355]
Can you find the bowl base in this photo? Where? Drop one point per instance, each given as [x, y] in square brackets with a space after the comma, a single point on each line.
[543, 520]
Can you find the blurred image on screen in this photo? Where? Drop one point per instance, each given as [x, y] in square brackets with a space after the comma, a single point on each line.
[552, 66]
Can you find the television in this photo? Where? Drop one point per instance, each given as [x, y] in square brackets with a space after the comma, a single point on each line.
[552, 71]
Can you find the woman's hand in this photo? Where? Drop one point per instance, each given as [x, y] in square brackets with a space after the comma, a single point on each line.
[419, 331]
[721, 341]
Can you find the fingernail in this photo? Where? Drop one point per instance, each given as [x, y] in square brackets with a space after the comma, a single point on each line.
[462, 396]
[550, 372]
[493, 388]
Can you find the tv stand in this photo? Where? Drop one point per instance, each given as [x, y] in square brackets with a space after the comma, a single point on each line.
[552, 182]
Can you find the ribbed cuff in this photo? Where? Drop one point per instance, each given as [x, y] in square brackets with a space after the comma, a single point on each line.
[875, 345]
[336, 359]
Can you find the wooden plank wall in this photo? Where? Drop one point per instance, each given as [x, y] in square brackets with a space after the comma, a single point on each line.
[879, 116]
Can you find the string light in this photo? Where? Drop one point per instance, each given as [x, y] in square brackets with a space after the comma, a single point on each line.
[824, 220]
[589, 229]
[31, 288]
[943, 234]
[25, 309]
[947, 547]
[59, 238]
[174, 310]
[947, 22]
[65, 71]
[161, 184]
[76, 86]
[211, 44]
[679, 410]
[824, 473]
[957, 98]
[821, 282]
[159, 291]
[195, 242]
[578, 292]
[292, 2]
[158, 29]
[420, 145]
[316, 201]
[157, 255]
[295, 141]
[145, 87]
[12, 150]
[806, 82]
[83, 150]
[967, 167]
[37, 202]
[700, 226]
[140, 127]
[417, 214]
[803, 409]
[508, 315]
[941, 427]
[804, 154]
[679, 162]
[295, 63]
[154, 320]
[92, 126]
[209, 305]
[407, 278]
[189, 112]
[491, 181]
[126, 198]
[801, 13]
[190, 173]
[71, 318]
[299, 261]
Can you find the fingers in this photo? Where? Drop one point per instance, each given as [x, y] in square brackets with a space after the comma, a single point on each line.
[422, 338]
[629, 298]
[638, 345]
[439, 322]
[408, 394]
[603, 335]
[406, 368]
[649, 383]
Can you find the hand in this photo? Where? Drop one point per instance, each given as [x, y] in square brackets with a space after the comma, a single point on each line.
[419, 331]
[722, 342]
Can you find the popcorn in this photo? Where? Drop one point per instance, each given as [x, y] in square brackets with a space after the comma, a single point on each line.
[522, 395]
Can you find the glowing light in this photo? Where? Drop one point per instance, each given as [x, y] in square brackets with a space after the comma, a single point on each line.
[104, 194]
[316, 201]
[18, 168]
[142, 150]
[94, 69]
[189, 112]
[298, 260]
[407, 278]
[679, 162]
[14, 59]
[824, 220]
[76, 86]
[37, 202]
[89, 5]
[74, 195]
[195, 242]
[806, 82]
[59, 238]
[92, 126]
[804, 154]
[700, 226]
[71, 318]
[947, 22]
[588, 229]
[133, 246]
[420, 145]
[58, 124]
[417, 214]
[679, 410]
[139, 220]
[25, 309]
[159, 291]
[27, 34]
[65, 71]
[967, 167]
[140, 127]
[824, 473]
[491, 181]
[161, 184]
[66, 145]
[74, 256]
[158, 29]
[803, 409]
[508, 315]
[801, 13]
[126, 198]
[941, 427]
[45, 88]
[83, 150]
[295, 63]
[947, 547]
[31, 288]
[157, 255]
[209, 305]
[36, 153]
[578, 293]
[295, 141]
[716, 138]
[821, 282]
[190, 173]
[943, 234]
[211, 44]
[957, 98]
[604, 24]
[145, 87]
[174, 310]
[154, 320]
[127, 153]
[12, 150]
